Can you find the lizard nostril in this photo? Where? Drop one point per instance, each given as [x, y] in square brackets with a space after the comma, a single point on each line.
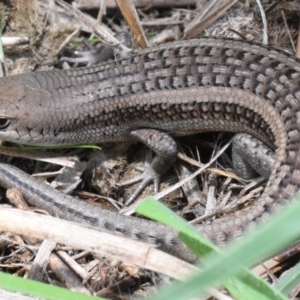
[4, 123]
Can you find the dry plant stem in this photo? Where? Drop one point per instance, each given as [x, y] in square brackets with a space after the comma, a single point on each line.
[264, 20]
[288, 30]
[101, 11]
[276, 261]
[211, 202]
[95, 28]
[231, 207]
[191, 188]
[246, 198]
[66, 42]
[196, 163]
[65, 161]
[73, 265]
[67, 276]
[199, 24]
[261, 270]
[14, 41]
[15, 197]
[130, 14]
[162, 22]
[293, 250]
[182, 182]
[289, 5]
[66, 232]
[92, 4]
[131, 209]
[80, 255]
[224, 199]
[164, 36]
[37, 271]
[298, 44]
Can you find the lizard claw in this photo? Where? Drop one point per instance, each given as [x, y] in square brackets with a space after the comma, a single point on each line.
[148, 176]
[166, 151]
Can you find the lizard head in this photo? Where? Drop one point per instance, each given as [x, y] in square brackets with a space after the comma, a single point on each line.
[21, 114]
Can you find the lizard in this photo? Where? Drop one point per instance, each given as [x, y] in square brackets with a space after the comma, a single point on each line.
[176, 89]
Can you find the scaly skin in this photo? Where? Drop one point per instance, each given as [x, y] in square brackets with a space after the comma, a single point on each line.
[181, 88]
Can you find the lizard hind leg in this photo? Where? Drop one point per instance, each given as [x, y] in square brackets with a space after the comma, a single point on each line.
[251, 157]
[166, 152]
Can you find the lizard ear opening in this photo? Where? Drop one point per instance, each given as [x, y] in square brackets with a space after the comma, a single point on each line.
[4, 123]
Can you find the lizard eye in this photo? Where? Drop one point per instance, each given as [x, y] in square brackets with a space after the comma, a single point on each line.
[4, 123]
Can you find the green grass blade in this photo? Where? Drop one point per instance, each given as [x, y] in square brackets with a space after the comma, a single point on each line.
[38, 289]
[157, 211]
[289, 280]
[220, 267]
